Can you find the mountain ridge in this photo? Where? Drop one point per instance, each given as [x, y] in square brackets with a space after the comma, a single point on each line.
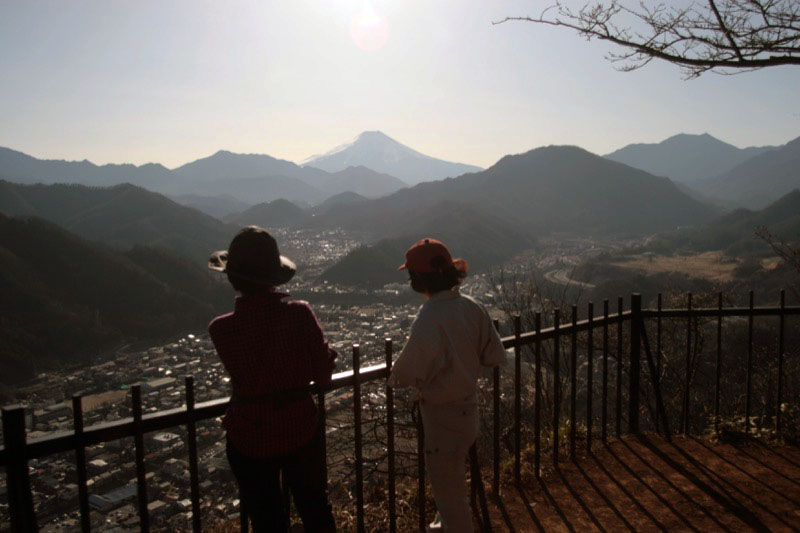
[685, 157]
[249, 178]
[758, 181]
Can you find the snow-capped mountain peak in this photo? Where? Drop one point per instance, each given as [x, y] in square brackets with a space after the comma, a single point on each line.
[379, 152]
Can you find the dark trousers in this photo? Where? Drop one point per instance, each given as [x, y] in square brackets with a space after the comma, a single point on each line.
[303, 473]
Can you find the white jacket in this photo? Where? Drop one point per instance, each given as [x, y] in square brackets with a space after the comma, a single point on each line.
[451, 338]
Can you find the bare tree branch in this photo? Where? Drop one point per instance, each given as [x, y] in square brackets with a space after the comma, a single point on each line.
[724, 36]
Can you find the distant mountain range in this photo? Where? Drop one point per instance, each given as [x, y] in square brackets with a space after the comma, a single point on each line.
[378, 151]
[249, 178]
[490, 215]
[758, 181]
[375, 165]
[686, 158]
[556, 188]
[63, 289]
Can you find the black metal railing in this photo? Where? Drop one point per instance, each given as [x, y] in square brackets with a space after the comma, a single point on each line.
[579, 334]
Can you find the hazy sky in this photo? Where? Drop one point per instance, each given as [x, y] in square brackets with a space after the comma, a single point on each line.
[169, 82]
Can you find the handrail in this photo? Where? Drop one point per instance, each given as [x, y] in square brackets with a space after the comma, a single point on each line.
[65, 441]
[597, 321]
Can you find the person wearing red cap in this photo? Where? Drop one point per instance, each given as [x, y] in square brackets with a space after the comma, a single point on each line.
[451, 338]
[272, 348]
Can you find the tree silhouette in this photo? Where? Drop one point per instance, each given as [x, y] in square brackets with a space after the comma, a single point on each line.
[725, 36]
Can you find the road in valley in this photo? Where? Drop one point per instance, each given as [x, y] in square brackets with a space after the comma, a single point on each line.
[562, 277]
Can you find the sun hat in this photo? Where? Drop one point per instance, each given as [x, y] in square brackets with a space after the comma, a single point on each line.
[427, 255]
[253, 256]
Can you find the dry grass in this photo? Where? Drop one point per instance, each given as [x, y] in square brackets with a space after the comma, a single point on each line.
[713, 266]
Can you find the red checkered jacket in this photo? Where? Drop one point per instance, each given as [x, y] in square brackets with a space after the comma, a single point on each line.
[269, 344]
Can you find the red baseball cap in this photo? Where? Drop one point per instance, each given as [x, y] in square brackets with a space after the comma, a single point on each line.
[427, 255]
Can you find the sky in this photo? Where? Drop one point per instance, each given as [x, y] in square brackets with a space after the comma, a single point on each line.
[174, 81]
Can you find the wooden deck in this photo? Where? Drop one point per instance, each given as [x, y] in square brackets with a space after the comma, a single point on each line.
[648, 484]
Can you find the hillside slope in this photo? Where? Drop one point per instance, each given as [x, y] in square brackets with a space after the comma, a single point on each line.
[66, 299]
[759, 180]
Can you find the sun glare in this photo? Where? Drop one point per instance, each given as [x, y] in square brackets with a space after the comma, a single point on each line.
[369, 29]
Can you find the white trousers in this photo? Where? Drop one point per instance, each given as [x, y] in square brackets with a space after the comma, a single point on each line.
[450, 430]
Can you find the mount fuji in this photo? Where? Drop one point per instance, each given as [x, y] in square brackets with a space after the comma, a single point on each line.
[379, 152]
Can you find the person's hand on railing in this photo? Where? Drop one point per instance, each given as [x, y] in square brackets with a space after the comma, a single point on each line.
[332, 355]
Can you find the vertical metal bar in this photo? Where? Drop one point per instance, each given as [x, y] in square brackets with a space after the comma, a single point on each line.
[658, 348]
[718, 370]
[138, 439]
[618, 418]
[781, 349]
[749, 366]
[635, 363]
[80, 462]
[573, 383]
[191, 437]
[20, 499]
[496, 426]
[537, 398]
[359, 445]
[556, 382]
[687, 382]
[517, 398]
[657, 386]
[589, 377]
[421, 470]
[604, 399]
[390, 441]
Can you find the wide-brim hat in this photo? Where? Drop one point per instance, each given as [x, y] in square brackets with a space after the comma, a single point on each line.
[253, 256]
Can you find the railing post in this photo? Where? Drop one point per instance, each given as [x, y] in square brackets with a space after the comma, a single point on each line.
[604, 399]
[537, 399]
[359, 445]
[420, 470]
[618, 418]
[80, 462]
[20, 499]
[688, 379]
[635, 366]
[589, 376]
[556, 382]
[573, 383]
[390, 440]
[718, 370]
[517, 399]
[496, 426]
[748, 395]
[658, 347]
[191, 437]
[782, 318]
[141, 477]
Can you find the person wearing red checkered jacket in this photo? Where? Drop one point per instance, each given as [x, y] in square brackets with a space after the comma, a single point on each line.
[272, 348]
